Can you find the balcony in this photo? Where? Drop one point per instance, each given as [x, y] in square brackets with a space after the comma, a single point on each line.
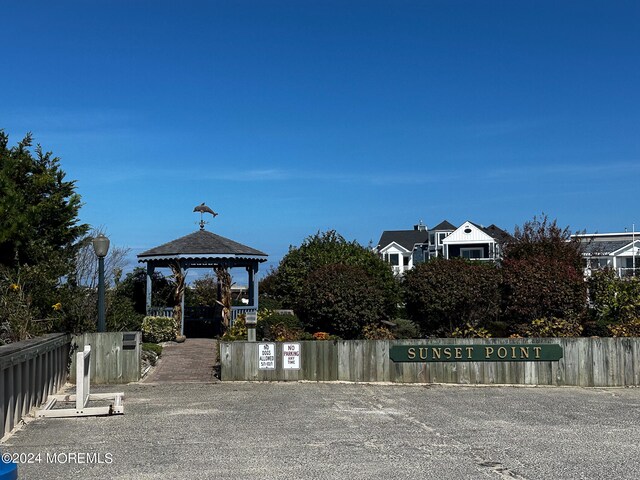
[400, 269]
[628, 272]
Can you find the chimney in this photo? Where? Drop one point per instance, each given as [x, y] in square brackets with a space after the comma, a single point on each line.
[420, 227]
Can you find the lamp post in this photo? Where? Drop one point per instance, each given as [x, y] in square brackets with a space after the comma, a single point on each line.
[101, 247]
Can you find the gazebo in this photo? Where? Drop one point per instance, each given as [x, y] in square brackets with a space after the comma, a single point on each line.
[203, 249]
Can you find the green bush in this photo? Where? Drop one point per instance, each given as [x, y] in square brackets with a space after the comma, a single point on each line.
[553, 327]
[238, 331]
[405, 329]
[341, 299]
[443, 295]
[158, 329]
[152, 347]
[275, 326]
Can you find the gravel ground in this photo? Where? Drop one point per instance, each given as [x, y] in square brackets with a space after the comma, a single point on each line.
[310, 430]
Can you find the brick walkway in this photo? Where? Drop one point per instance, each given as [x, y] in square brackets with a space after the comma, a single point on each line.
[191, 361]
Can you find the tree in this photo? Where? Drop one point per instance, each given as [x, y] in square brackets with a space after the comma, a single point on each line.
[38, 208]
[442, 295]
[39, 233]
[134, 287]
[287, 283]
[540, 237]
[77, 296]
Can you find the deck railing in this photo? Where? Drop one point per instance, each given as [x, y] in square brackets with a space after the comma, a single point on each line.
[160, 312]
[30, 371]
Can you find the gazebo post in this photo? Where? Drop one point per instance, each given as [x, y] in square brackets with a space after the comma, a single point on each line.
[150, 270]
[253, 285]
[182, 302]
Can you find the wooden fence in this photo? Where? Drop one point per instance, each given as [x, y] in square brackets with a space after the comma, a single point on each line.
[115, 356]
[588, 362]
[30, 371]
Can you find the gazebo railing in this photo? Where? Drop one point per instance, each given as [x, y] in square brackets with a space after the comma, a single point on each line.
[235, 311]
[160, 311]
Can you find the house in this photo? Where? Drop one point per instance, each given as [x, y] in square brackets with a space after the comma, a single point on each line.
[617, 251]
[475, 242]
[405, 248]
[399, 247]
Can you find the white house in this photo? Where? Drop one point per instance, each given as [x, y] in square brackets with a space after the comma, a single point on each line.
[475, 242]
[397, 247]
[405, 248]
[618, 251]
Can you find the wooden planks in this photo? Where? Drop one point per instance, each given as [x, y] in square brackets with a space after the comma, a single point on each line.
[604, 362]
[110, 363]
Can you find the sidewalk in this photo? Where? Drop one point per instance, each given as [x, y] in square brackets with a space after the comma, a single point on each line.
[191, 361]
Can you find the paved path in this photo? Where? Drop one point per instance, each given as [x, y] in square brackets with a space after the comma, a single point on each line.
[191, 361]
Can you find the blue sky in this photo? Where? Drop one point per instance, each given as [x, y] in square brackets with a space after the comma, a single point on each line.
[289, 117]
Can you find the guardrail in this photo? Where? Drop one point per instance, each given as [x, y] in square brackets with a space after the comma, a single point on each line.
[30, 371]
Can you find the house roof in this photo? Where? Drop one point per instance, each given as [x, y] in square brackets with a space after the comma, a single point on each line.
[604, 247]
[201, 244]
[496, 232]
[444, 225]
[405, 238]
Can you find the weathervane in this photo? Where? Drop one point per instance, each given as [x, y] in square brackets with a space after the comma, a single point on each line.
[202, 208]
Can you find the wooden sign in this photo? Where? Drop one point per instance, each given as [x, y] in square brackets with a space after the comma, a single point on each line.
[476, 353]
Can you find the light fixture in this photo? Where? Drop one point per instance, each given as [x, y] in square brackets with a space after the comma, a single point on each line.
[101, 248]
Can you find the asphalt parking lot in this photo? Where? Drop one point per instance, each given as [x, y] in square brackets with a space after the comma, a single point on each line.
[309, 430]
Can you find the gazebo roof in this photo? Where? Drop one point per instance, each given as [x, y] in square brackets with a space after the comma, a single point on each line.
[202, 245]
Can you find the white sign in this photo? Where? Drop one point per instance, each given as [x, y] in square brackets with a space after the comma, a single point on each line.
[291, 356]
[266, 356]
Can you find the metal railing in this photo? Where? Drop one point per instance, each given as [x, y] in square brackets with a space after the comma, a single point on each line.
[160, 312]
[30, 371]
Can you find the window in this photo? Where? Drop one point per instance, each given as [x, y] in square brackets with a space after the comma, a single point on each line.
[393, 259]
[441, 237]
[471, 253]
[432, 238]
[405, 261]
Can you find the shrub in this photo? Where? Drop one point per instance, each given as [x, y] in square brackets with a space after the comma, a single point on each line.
[541, 287]
[152, 347]
[341, 300]
[613, 299]
[279, 327]
[553, 327]
[121, 315]
[442, 295]
[158, 329]
[405, 329]
[470, 331]
[377, 332]
[238, 331]
[629, 328]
